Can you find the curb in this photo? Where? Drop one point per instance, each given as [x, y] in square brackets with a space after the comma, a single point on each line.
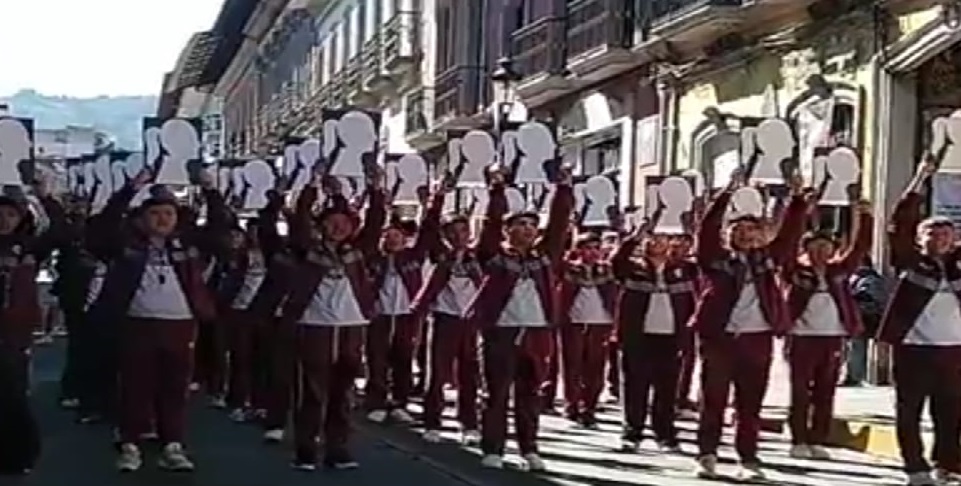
[869, 437]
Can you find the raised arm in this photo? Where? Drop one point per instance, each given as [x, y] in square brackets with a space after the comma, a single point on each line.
[708, 246]
[374, 219]
[492, 229]
[268, 238]
[784, 247]
[300, 225]
[903, 228]
[558, 221]
[428, 234]
[862, 238]
[621, 258]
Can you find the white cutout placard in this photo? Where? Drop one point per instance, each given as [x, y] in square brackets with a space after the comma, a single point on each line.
[102, 181]
[470, 156]
[674, 196]
[945, 140]
[299, 161]
[528, 151]
[595, 198]
[251, 183]
[515, 200]
[75, 177]
[124, 166]
[406, 175]
[171, 146]
[842, 168]
[769, 144]
[746, 201]
[350, 139]
[476, 202]
[16, 149]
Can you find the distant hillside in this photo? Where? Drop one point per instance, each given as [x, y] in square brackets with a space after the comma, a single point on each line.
[120, 117]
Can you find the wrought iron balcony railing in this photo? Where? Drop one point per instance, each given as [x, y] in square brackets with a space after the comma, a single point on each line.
[400, 39]
[593, 24]
[539, 48]
[669, 10]
[419, 111]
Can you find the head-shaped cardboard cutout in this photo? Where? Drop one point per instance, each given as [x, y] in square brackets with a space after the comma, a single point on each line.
[945, 140]
[595, 199]
[16, 151]
[172, 149]
[515, 200]
[531, 153]
[406, 176]
[765, 149]
[302, 156]
[256, 177]
[746, 201]
[470, 156]
[836, 173]
[350, 142]
[673, 198]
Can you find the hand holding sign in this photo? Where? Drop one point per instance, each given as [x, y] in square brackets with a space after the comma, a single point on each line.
[470, 157]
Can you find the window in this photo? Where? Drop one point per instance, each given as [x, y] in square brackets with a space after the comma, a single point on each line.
[372, 18]
[602, 158]
[336, 52]
[350, 42]
[446, 40]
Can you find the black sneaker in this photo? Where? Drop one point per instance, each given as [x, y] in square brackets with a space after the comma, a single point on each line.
[589, 421]
[340, 461]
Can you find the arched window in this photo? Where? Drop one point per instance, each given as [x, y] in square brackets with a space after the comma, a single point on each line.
[716, 146]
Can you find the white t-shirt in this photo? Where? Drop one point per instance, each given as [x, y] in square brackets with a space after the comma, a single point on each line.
[822, 317]
[660, 311]
[159, 295]
[524, 308]
[940, 322]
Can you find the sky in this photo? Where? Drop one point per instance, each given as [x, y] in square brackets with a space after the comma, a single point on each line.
[89, 48]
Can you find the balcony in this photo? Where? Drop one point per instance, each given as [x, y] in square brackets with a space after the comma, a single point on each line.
[357, 93]
[539, 57]
[370, 63]
[400, 46]
[419, 113]
[458, 97]
[599, 37]
[693, 24]
[337, 97]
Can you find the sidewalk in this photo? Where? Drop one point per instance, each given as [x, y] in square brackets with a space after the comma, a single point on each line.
[864, 416]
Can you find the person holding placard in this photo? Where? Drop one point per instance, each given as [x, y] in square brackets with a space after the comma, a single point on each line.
[155, 290]
[515, 306]
[923, 324]
[330, 300]
[657, 299]
[445, 295]
[393, 335]
[823, 314]
[680, 249]
[585, 313]
[21, 254]
[740, 311]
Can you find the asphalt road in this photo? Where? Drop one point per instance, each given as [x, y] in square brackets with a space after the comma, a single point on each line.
[228, 454]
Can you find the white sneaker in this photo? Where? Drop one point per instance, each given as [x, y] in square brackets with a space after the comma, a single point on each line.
[750, 472]
[706, 467]
[800, 451]
[239, 415]
[130, 459]
[946, 478]
[534, 463]
[150, 436]
[470, 438]
[194, 386]
[173, 458]
[923, 478]
[217, 402]
[377, 416]
[820, 453]
[431, 436]
[274, 436]
[401, 416]
[69, 403]
[492, 461]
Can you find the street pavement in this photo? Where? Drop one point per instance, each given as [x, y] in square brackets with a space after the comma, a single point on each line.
[228, 454]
